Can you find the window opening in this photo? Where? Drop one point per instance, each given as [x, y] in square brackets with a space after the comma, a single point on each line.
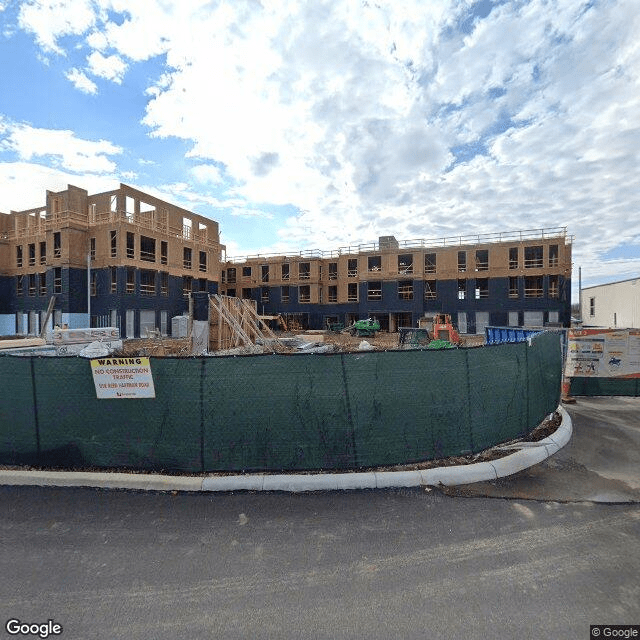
[374, 290]
[513, 258]
[305, 293]
[462, 261]
[374, 263]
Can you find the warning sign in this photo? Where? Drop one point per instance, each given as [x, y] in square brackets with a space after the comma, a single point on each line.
[122, 378]
[603, 353]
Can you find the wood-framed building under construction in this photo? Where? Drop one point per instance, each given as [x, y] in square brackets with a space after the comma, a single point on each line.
[128, 259]
[123, 257]
[520, 278]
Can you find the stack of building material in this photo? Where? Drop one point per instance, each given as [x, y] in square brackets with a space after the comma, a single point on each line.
[234, 322]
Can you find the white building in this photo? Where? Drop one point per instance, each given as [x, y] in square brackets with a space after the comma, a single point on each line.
[613, 305]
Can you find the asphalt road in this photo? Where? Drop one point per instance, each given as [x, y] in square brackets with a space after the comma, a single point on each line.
[375, 564]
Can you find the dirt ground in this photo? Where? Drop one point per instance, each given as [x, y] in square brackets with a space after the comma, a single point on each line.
[382, 341]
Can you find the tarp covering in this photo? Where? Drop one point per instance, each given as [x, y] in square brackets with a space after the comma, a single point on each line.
[280, 412]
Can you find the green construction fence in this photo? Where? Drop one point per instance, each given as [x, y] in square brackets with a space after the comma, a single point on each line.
[280, 412]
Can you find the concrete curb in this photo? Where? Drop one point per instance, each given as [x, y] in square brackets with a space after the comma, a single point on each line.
[530, 454]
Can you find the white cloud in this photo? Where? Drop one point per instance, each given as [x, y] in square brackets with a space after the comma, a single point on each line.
[109, 67]
[354, 113]
[24, 185]
[48, 20]
[248, 212]
[206, 174]
[81, 82]
[62, 147]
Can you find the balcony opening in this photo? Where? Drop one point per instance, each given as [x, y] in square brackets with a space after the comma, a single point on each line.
[43, 253]
[405, 290]
[405, 263]
[533, 257]
[533, 287]
[147, 249]
[264, 273]
[333, 271]
[553, 255]
[304, 270]
[482, 260]
[285, 271]
[430, 290]
[186, 257]
[130, 245]
[352, 268]
[114, 243]
[286, 294]
[430, 263]
[482, 288]
[304, 293]
[202, 261]
[147, 282]
[462, 289]
[131, 280]
[352, 292]
[231, 275]
[333, 293]
[164, 252]
[164, 283]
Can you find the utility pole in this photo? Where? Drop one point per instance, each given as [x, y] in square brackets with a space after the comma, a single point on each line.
[89, 289]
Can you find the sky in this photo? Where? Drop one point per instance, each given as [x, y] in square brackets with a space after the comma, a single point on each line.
[316, 125]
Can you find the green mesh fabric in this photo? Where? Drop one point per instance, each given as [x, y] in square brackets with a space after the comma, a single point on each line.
[280, 412]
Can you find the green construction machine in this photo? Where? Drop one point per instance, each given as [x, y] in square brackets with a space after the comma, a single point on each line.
[364, 328]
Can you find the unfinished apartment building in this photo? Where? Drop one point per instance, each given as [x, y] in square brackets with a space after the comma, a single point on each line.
[123, 257]
[518, 278]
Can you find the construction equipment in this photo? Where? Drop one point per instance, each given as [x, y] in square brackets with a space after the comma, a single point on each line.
[364, 328]
[443, 329]
[436, 332]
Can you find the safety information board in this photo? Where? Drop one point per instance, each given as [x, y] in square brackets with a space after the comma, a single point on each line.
[123, 378]
[603, 353]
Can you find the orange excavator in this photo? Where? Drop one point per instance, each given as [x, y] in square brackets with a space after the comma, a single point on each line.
[444, 330]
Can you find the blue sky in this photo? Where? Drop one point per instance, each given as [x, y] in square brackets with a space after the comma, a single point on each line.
[321, 124]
